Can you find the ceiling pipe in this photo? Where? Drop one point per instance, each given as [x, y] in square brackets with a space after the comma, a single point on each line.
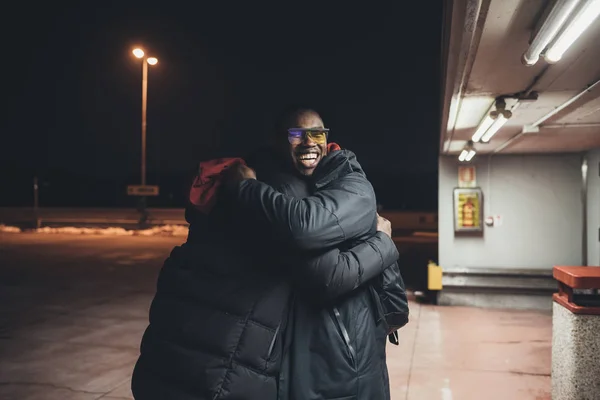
[528, 128]
[563, 126]
[566, 104]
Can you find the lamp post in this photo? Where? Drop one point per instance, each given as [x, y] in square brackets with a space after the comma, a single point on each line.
[140, 54]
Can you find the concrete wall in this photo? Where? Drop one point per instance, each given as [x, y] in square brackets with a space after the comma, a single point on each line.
[593, 207]
[539, 200]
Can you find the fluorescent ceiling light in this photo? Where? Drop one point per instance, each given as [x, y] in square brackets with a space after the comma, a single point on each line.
[467, 153]
[483, 127]
[589, 11]
[498, 123]
[494, 119]
[559, 14]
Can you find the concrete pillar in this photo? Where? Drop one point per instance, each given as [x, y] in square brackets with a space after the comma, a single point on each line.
[576, 334]
[575, 355]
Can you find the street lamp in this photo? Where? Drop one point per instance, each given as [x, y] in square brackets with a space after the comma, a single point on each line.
[139, 53]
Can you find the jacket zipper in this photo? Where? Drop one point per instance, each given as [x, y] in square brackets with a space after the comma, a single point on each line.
[272, 345]
[345, 334]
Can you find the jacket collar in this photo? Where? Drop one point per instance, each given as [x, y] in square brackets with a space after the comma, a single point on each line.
[271, 166]
[334, 166]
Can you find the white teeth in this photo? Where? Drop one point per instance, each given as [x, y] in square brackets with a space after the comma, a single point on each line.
[307, 157]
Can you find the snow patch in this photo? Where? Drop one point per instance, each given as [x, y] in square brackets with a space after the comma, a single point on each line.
[9, 229]
[164, 230]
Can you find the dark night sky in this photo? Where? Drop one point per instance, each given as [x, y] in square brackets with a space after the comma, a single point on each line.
[225, 70]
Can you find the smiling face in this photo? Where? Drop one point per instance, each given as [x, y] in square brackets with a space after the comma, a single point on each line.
[306, 150]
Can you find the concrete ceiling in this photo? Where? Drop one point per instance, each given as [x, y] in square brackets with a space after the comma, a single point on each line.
[483, 44]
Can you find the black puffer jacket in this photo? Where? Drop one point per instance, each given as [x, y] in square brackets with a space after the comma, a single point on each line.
[222, 301]
[337, 351]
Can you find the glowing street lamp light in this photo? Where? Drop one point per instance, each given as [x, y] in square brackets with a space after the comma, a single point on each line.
[139, 53]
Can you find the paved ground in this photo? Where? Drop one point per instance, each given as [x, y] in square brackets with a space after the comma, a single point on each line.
[73, 308]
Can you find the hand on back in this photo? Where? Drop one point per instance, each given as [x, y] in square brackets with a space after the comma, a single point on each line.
[384, 225]
[238, 173]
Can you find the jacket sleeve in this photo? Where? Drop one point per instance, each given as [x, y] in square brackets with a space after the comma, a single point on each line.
[332, 274]
[342, 210]
[392, 297]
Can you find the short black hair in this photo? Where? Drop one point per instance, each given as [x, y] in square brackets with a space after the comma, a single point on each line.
[290, 115]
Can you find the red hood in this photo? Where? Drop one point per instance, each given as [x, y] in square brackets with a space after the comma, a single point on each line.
[203, 193]
[331, 147]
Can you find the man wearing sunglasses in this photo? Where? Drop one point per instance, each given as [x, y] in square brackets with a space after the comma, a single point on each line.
[307, 147]
[333, 349]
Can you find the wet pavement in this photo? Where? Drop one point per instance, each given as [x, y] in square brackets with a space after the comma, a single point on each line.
[73, 309]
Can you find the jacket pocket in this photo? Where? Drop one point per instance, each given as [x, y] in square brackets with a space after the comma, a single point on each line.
[344, 335]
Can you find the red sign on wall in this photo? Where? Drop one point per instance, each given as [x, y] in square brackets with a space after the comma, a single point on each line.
[466, 177]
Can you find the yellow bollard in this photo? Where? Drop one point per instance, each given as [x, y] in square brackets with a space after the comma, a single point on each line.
[434, 276]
